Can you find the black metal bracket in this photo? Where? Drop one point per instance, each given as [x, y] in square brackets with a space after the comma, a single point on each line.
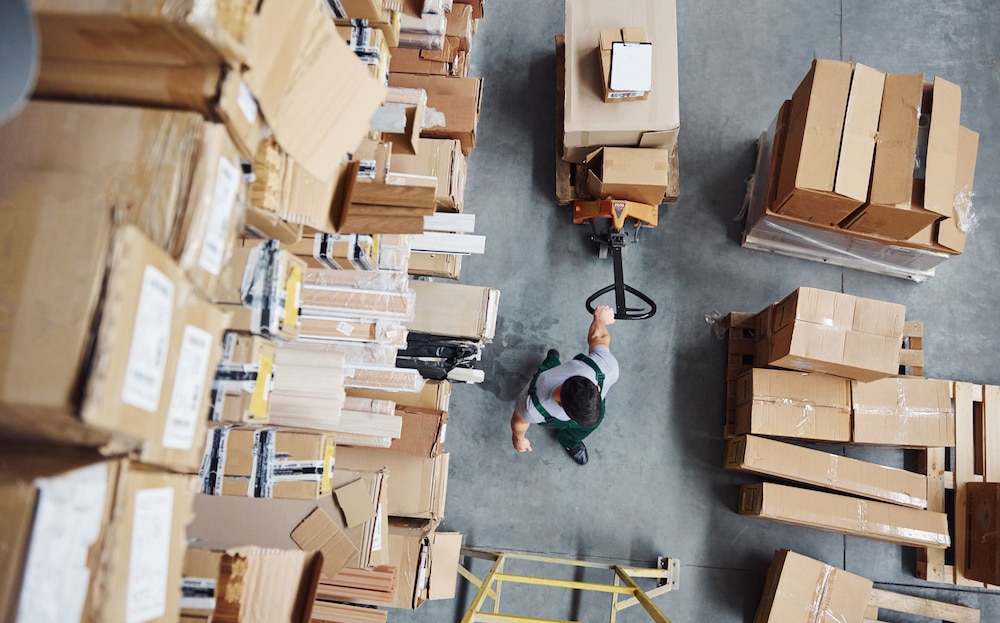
[616, 241]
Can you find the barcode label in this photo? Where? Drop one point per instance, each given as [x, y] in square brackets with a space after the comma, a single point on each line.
[367, 169]
[197, 594]
[147, 355]
[189, 389]
[620, 94]
[345, 328]
[213, 250]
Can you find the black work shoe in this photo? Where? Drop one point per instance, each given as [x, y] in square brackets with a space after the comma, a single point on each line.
[552, 353]
[579, 453]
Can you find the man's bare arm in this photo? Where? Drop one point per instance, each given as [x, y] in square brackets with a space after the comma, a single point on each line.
[519, 427]
[598, 334]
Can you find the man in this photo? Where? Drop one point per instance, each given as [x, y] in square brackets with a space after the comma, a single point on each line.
[569, 397]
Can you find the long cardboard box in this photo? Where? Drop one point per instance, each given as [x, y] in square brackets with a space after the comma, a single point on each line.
[433, 395]
[417, 486]
[816, 126]
[793, 404]
[770, 457]
[909, 411]
[846, 515]
[589, 121]
[455, 310]
[803, 589]
[821, 331]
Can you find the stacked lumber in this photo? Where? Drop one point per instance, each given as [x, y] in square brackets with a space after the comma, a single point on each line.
[378, 584]
[333, 612]
[308, 389]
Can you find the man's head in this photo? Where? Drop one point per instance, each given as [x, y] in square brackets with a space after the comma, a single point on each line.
[581, 400]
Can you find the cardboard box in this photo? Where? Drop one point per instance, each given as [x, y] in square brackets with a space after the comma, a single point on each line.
[455, 310]
[909, 411]
[55, 510]
[261, 287]
[250, 583]
[626, 40]
[459, 27]
[806, 181]
[633, 174]
[589, 121]
[951, 232]
[857, 147]
[443, 159]
[894, 206]
[427, 566]
[140, 577]
[368, 44]
[793, 404]
[295, 69]
[184, 36]
[434, 395]
[444, 265]
[268, 462]
[760, 455]
[424, 432]
[416, 487]
[226, 521]
[800, 588]
[820, 331]
[243, 379]
[846, 515]
[942, 146]
[458, 98]
[984, 532]
[132, 369]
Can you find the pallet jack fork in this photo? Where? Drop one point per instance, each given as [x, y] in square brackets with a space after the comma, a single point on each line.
[614, 240]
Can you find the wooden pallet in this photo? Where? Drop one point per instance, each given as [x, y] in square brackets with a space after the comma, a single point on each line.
[741, 327]
[937, 610]
[975, 458]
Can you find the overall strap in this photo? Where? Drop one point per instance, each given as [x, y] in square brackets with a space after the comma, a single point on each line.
[590, 362]
[533, 395]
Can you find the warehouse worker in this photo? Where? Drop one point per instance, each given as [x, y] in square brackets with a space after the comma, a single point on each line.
[569, 397]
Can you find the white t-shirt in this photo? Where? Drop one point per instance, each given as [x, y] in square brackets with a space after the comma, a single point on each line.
[552, 378]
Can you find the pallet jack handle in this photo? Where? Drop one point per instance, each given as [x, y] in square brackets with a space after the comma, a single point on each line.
[622, 311]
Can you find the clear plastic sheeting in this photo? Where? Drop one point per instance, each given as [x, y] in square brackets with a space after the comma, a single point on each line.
[394, 252]
[355, 353]
[358, 279]
[383, 378]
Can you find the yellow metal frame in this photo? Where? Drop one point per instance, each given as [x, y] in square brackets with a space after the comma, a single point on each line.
[624, 585]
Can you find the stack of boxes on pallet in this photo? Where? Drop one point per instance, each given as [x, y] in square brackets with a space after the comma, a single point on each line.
[831, 368]
[618, 113]
[866, 170]
[185, 313]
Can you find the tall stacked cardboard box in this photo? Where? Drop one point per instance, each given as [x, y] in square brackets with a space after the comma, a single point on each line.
[825, 370]
[620, 106]
[867, 170]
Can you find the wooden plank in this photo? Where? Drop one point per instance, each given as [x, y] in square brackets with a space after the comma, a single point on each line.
[436, 242]
[453, 222]
[965, 395]
[402, 195]
[359, 224]
[932, 560]
[991, 432]
[913, 329]
[938, 610]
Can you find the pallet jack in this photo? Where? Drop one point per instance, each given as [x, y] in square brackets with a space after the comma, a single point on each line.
[614, 239]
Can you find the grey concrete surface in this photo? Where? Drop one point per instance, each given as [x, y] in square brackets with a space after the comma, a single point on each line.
[654, 485]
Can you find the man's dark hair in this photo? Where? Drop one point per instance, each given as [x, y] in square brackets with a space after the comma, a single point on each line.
[581, 400]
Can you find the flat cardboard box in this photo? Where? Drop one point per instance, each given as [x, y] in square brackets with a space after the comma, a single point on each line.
[846, 515]
[147, 533]
[984, 532]
[803, 589]
[633, 174]
[894, 208]
[861, 122]
[589, 121]
[442, 159]
[434, 395]
[251, 583]
[424, 432]
[318, 532]
[608, 40]
[951, 231]
[316, 95]
[55, 510]
[455, 310]
[416, 486]
[806, 181]
[458, 98]
[793, 404]
[760, 455]
[444, 265]
[909, 411]
[271, 462]
[821, 331]
[942, 147]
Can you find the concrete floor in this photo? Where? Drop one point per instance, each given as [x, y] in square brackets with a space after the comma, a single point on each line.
[654, 485]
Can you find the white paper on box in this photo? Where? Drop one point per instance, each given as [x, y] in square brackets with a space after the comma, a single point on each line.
[67, 523]
[247, 103]
[227, 182]
[189, 389]
[631, 66]
[147, 355]
[345, 328]
[149, 560]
